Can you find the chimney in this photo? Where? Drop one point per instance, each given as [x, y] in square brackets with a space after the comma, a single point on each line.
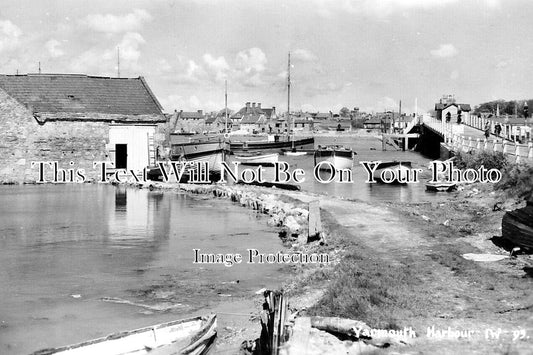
[201, 112]
[253, 104]
[259, 105]
[247, 107]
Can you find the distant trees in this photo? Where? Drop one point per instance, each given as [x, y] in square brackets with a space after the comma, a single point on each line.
[506, 107]
[344, 112]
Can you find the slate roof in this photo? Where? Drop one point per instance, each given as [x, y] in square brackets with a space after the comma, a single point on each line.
[246, 111]
[82, 94]
[191, 115]
[321, 115]
[268, 111]
[374, 120]
[251, 119]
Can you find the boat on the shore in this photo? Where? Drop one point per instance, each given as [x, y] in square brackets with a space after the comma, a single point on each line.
[337, 156]
[400, 170]
[517, 226]
[192, 336]
[440, 186]
[190, 155]
[273, 146]
[257, 158]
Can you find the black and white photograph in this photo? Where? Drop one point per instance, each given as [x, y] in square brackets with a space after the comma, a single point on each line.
[267, 177]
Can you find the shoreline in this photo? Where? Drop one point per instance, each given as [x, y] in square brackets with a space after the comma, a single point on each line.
[408, 260]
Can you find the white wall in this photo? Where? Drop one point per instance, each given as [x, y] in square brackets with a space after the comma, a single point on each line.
[137, 137]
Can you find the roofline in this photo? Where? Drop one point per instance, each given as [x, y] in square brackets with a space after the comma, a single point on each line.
[143, 81]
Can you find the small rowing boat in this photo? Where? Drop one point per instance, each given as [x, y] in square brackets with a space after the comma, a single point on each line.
[256, 158]
[440, 186]
[517, 226]
[192, 336]
[294, 154]
[335, 156]
[393, 172]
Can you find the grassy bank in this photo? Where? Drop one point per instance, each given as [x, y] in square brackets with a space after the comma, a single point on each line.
[401, 265]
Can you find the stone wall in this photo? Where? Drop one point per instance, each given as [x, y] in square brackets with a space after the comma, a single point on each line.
[23, 140]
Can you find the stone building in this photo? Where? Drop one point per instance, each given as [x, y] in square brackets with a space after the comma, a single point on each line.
[449, 110]
[76, 120]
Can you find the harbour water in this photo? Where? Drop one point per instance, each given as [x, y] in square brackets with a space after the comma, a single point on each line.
[79, 261]
[82, 261]
[368, 148]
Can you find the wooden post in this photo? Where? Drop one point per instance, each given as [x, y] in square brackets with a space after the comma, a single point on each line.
[315, 223]
[530, 151]
[505, 149]
[517, 153]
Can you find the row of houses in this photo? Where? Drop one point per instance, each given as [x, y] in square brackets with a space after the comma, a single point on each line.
[252, 118]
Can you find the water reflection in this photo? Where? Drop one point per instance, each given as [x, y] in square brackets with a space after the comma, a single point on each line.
[65, 247]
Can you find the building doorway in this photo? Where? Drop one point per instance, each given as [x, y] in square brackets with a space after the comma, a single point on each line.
[121, 156]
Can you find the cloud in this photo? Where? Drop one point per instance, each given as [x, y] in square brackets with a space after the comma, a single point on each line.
[216, 66]
[9, 35]
[52, 46]
[444, 51]
[129, 47]
[116, 24]
[253, 59]
[190, 103]
[383, 8]
[303, 55]
[454, 75]
[387, 103]
[326, 88]
[104, 60]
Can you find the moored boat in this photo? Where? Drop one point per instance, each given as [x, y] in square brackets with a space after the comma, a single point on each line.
[337, 156]
[256, 158]
[278, 146]
[212, 153]
[192, 336]
[517, 226]
[440, 186]
[294, 154]
[394, 172]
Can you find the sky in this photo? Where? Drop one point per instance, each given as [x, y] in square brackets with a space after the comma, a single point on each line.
[370, 54]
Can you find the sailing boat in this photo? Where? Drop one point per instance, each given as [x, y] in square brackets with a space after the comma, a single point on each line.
[291, 144]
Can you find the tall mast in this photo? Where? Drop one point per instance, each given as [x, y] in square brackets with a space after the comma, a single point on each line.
[226, 105]
[118, 62]
[289, 88]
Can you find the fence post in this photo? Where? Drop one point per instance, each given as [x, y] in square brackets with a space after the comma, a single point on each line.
[478, 144]
[530, 151]
[517, 153]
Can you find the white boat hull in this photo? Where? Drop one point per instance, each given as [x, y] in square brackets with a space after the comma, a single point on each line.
[264, 159]
[188, 336]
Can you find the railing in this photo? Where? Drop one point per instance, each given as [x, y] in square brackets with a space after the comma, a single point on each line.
[454, 137]
[411, 125]
[510, 132]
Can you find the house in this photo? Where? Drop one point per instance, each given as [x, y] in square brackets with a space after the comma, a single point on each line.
[374, 123]
[256, 118]
[304, 125]
[278, 125]
[322, 115]
[449, 110]
[191, 116]
[76, 120]
[217, 121]
[254, 123]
